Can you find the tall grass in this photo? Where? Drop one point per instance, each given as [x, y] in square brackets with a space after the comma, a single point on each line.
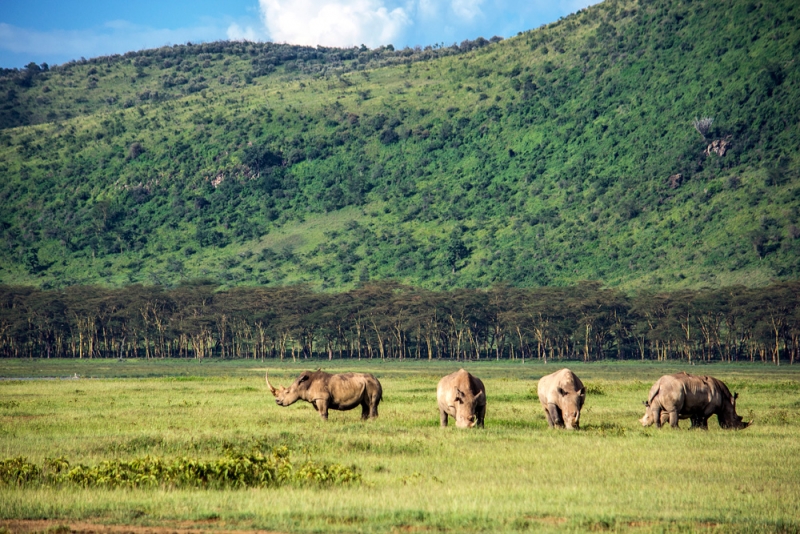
[516, 475]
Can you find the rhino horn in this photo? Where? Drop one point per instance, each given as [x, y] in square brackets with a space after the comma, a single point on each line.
[272, 389]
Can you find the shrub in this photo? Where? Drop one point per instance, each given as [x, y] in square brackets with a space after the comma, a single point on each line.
[595, 389]
[260, 157]
[135, 150]
[389, 136]
[236, 470]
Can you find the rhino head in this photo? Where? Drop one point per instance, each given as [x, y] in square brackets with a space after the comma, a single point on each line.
[728, 418]
[571, 404]
[287, 396]
[648, 418]
[465, 404]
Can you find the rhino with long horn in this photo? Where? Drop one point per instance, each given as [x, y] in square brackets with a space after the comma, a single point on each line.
[332, 392]
[685, 396]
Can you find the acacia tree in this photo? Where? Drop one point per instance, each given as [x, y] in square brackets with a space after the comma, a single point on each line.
[390, 320]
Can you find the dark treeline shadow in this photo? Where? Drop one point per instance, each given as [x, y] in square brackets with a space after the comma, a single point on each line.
[388, 320]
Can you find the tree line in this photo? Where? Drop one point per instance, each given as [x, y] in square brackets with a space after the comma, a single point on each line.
[388, 320]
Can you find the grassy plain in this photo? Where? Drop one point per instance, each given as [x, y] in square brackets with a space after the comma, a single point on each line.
[514, 476]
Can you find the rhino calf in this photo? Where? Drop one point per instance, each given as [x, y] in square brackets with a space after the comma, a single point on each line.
[462, 396]
[562, 395]
[332, 392]
[685, 396]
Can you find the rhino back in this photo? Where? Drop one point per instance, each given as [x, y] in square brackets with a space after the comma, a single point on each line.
[698, 393]
[461, 380]
[669, 392]
[347, 389]
[446, 389]
[314, 387]
[548, 387]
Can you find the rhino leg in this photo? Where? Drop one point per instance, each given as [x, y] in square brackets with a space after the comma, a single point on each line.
[673, 419]
[656, 414]
[699, 421]
[369, 410]
[480, 414]
[442, 418]
[322, 408]
[554, 416]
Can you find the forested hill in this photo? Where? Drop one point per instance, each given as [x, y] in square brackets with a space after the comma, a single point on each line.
[566, 153]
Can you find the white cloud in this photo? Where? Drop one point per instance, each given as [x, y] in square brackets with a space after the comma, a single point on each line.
[428, 9]
[309, 22]
[333, 22]
[467, 9]
[237, 33]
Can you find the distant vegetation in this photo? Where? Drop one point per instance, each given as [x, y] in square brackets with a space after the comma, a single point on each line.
[566, 153]
[388, 321]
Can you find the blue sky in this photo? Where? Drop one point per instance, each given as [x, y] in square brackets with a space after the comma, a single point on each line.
[56, 31]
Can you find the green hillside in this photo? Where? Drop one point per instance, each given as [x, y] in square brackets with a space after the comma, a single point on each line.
[565, 153]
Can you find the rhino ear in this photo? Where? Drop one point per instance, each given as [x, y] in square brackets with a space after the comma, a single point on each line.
[646, 403]
[582, 391]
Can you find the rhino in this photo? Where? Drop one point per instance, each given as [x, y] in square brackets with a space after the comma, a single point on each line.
[685, 396]
[562, 395]
[332, 392]
[462, 396]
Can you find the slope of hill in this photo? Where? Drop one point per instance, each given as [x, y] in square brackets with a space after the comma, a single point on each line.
[565, 153]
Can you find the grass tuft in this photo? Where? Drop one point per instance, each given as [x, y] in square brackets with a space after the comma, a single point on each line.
[595, 389]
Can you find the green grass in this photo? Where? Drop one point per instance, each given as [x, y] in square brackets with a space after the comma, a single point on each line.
[516, 475]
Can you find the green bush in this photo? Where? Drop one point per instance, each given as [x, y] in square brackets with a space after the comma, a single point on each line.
[236, 470]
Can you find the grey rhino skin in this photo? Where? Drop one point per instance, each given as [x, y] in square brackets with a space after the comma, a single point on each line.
[685, 396]
[562, 395]
[335, 392]
[462, 396]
